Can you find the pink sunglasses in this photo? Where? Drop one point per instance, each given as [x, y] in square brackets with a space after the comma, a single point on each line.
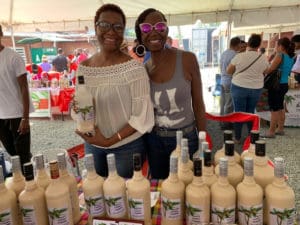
[159, 27]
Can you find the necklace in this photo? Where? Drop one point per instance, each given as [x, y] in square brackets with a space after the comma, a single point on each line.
[152, 67]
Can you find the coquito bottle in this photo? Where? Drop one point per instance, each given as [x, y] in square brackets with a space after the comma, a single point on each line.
[197, 198]
[223, 197]
[92, 187]
[185, 174]
[42, 178]
[280, 198]
[172, 197]
[8, 204]
[114, 189]
[58, 199]
[32, 200]
[202, 138]
[177, 151]
[221, 153]
[184, 143]
[71, 182]
[84, 108]
[250, 197]
[209, 177]
[138, 194]
[235, 170]
[250, 152]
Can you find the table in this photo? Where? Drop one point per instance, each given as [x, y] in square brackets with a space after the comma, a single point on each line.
[292, 104]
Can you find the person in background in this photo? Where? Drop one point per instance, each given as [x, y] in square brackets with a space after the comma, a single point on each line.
[247, 83]
[284, 62]
[296, 66]
[226, 105]
[60, 62]
[243, 46]
[121, 90]
[169, 42]
[15, 104]
[176, 92]
[81, 56]
[46, 66]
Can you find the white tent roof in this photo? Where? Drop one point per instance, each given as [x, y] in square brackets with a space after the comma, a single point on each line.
[67, 15]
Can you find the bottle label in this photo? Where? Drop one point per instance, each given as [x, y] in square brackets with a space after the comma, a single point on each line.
[171, 208]
[59, 216]
[194, 214]
[86, 114]
[250, 215]
[136, 208]
[5, 217]
[223, 215]
[95, 205]
[115, 205]
[28, 215]
[278, 216]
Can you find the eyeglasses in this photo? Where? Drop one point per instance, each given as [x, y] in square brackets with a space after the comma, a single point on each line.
[159, 27]
[105, 27]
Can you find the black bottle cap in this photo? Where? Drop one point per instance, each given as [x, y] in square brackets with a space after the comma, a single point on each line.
[254, 136]
[229, 148]
[207, 158]
[260, 148]
[137, 162]
[28, 171]
[197, 167]
[80, 79]
[227, 135]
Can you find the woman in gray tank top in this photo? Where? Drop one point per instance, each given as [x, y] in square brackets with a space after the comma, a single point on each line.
[176, 92]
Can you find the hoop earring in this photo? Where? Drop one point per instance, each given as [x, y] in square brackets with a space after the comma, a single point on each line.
[140, 50]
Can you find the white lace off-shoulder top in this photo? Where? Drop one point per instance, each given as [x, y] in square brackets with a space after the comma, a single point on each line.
[122, 95]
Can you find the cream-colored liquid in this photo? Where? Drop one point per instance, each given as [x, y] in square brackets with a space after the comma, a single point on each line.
[197, 196]
[235, 172]
[138, 194]
[114, 189]
[16, 183]
[59, 202]
[71, 182]
[263, 172]
[92, 187]
[250, 200]
[33, 205]
[209, 177]
[8, 206]
[280, 197]
[221, 153]
[185, 174]
[172, 201]
[42, 179]
[223, 198]
[250, 152]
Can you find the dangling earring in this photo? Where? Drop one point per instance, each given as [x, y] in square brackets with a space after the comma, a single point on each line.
[140, 50]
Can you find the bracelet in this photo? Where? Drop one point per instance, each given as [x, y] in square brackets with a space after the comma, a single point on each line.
[24, 119]
[119, 136]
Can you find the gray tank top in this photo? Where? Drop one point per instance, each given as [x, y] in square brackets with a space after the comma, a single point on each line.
[173, 100]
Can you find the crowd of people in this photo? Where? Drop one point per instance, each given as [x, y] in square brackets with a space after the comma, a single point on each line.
[140, 102]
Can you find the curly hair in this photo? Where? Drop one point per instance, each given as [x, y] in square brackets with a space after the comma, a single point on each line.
[141, 18]
[111, 8]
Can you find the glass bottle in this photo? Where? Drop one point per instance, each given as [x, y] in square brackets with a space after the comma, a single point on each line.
[250, 197]
[42, 178]
[32, 200]
[177, 151]
[280, 198]
[184, 143]
[185, 174]
[250, 152]
[92, 187]
[114, 189]
[197, 198]
[223, 197]
[202, 138]
[172, 196]
[138, 193]
[209, 177]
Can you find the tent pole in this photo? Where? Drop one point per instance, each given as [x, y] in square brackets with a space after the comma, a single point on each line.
[10, 23]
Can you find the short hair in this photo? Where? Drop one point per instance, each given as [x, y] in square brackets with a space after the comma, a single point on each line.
[296, 38]
[111, 8]
[234, 42]
[59, 51]
[141, 18]
[254, 41]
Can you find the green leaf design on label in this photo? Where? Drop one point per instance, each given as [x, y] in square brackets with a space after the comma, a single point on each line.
[190, 210]
[282, 215]
[133, 204]
[56, 213]
[249, 213]
[25, 211]
[3, 215]
[222, 214]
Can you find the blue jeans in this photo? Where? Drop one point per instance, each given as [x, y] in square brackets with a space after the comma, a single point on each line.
[160, 148]
[123, 156]
[244, 100]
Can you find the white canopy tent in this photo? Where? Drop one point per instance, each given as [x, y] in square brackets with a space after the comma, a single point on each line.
[77, 15]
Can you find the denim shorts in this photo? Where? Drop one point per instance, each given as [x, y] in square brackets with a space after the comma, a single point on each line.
[160, 148]
[123, 156]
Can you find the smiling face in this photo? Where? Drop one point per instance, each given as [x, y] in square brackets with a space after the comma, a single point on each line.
[110, 31]
[154, 40]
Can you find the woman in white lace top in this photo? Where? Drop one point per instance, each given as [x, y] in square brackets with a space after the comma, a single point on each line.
[120, 87]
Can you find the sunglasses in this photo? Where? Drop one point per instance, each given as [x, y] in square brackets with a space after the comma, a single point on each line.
[105, 27]
[159, 27]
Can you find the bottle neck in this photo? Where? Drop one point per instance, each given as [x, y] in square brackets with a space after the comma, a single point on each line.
[18, 176]
[30, 185]
[63, 173]
[231, 160]
[198, 181]
[223, 180]
[261, 160]
[251, 148]
[91, 174]
[184, 166]
[3, 187]
[249, 180]
[40, 173]
[208, 171]
[137, 175]
[173, 177]
[279, 182]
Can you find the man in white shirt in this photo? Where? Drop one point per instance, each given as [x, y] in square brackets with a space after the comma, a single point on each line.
[15, 104]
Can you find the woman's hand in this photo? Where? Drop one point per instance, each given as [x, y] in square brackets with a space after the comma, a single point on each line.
[95, 139]
[24, 126]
